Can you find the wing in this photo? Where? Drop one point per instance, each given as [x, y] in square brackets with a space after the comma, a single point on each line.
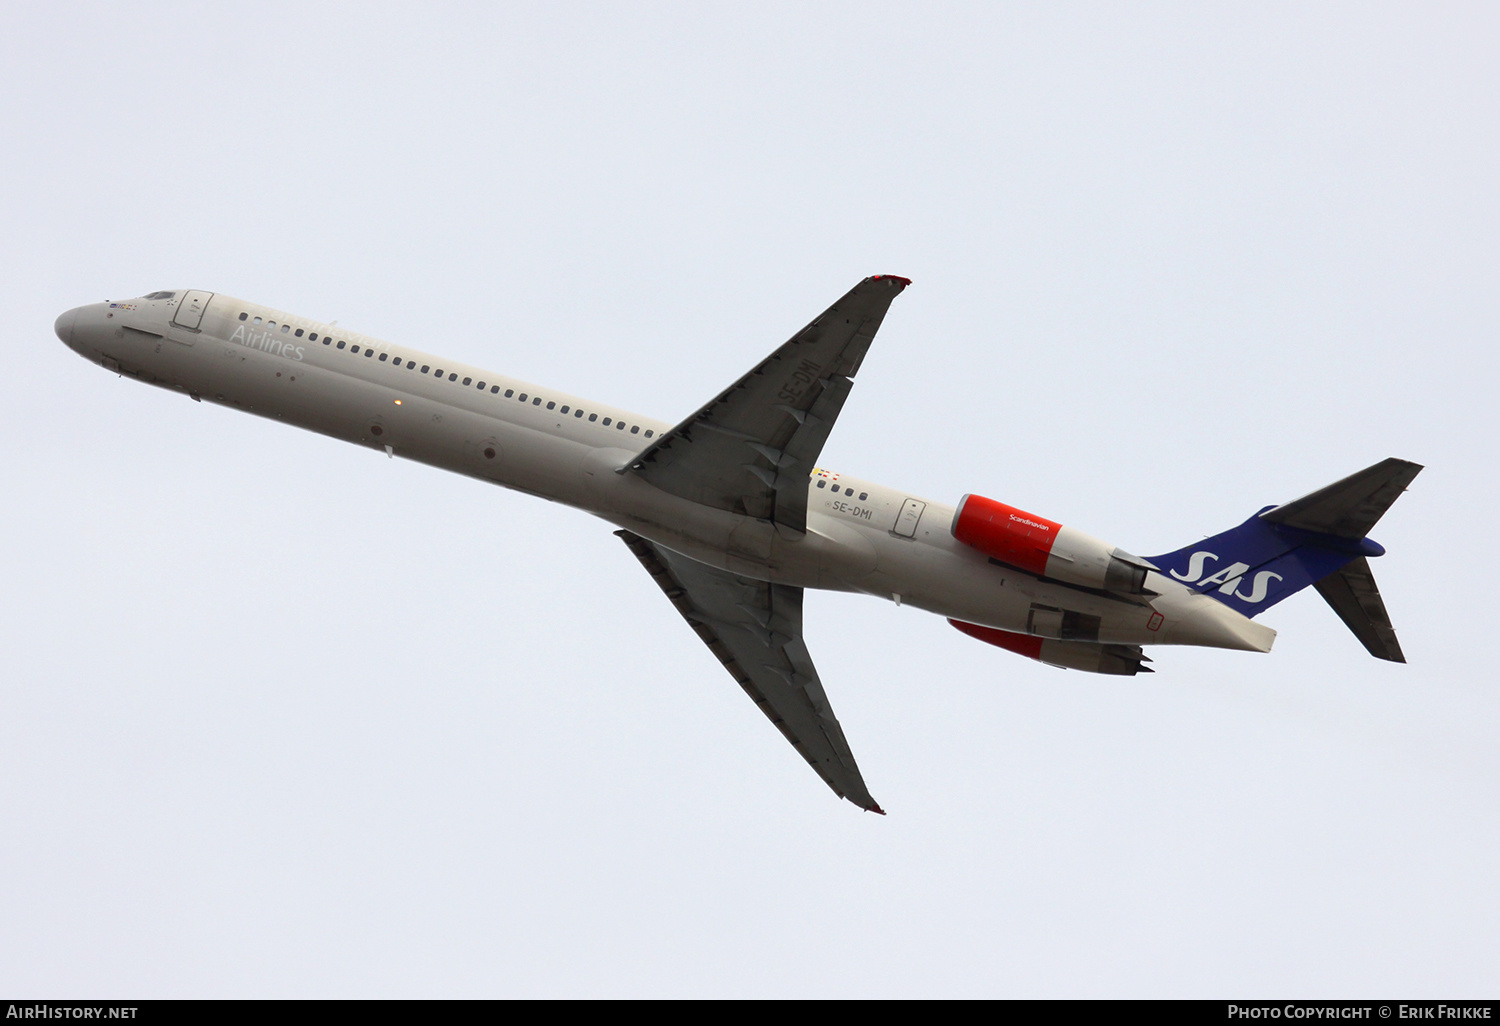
[752, 449]
[755, 629]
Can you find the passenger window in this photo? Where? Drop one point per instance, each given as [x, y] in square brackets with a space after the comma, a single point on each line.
[848, 491]
[521, 398]
[606, 421]
[649, 432]
[438, 373]
[494, 389]
[371, 352]
[452, 377]
[536, 401]
[563, 410]
[298, 333]
[354, 350]
[578, 413]
[425, 367]
[341, 344]
[384, 355]
[468, 381]
[243, 316]
[619, 425]
[312, 336]
[327, 341]
[593, 417]
[285, 328]
[635, 430]
[509, 392]
[480, 386]
[822, 483]
[411, 364]
[257, 320]
[551, 406]
[863, 496]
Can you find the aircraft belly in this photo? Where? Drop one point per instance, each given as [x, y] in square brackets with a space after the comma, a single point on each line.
[715, 537]
[842, 553]
[937, 574]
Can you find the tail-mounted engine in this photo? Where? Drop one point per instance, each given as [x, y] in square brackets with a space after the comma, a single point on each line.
[1046, 548]
[1124, 660]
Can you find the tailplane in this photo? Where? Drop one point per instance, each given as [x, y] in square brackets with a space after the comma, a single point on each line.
[1320, 540]
[1353, 595]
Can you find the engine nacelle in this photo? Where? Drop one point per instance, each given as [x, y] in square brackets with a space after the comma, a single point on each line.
[1046, 548]
[1127, 660]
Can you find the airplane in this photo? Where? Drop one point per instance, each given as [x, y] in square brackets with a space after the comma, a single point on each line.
[732, 517]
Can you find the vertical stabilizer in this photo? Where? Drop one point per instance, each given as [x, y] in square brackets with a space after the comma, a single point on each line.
[1320, 540]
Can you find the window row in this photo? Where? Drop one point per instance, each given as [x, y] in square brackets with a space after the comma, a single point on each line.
[354, 349]
[847, 491]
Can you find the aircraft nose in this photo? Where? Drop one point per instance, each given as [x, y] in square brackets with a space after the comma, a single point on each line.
[64, 326]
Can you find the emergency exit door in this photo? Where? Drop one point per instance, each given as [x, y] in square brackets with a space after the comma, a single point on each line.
[908, 518]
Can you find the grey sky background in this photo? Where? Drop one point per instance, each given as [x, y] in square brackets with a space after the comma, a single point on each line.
[285, 718]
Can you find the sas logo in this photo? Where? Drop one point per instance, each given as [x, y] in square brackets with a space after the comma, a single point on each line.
[1228, 578]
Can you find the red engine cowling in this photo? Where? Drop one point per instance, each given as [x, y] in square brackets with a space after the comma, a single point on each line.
[1044, 547]
[1124, 660]
[1008, 534]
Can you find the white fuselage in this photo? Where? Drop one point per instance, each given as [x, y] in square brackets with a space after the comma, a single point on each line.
[860, 536]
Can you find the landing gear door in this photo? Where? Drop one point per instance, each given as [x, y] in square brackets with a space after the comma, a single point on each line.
[907, 519]
[190, 311]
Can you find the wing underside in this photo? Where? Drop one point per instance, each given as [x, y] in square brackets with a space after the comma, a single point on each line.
[752, 449]
[755, 629]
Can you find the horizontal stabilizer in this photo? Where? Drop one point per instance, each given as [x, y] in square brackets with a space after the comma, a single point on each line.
[1353, 595]
[1348, 508]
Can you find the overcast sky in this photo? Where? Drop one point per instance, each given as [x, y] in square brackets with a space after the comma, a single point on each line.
[282, 717]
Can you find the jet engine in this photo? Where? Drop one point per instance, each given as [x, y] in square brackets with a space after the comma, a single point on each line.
[1046, 548]
[1125, 660]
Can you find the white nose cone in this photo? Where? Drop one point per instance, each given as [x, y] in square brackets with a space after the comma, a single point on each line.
[64, 327]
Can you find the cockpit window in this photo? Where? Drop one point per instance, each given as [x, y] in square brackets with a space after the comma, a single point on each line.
[160, 295]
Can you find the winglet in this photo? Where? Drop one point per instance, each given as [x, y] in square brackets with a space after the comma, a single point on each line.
[875, 808]
[894, 277]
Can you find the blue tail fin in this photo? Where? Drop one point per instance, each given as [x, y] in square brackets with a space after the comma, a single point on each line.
[1252, 567]
[1283, 549]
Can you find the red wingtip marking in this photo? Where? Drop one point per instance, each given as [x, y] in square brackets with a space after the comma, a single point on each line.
[876, 809]
[894, 277]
